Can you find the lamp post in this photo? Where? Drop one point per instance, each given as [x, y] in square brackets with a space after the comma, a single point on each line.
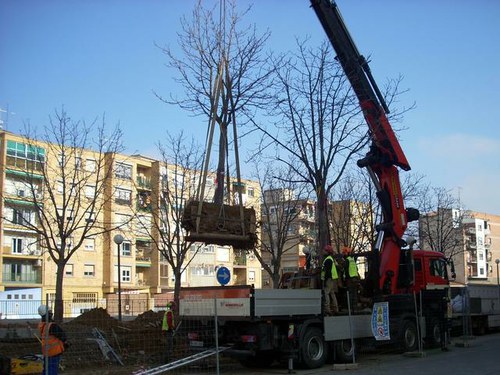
[118, 241]
[497, 261]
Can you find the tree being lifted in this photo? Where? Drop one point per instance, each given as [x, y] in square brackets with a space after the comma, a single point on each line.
[219, 223]
[223, 73]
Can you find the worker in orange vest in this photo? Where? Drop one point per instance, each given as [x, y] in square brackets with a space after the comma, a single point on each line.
[54, 341]
[168, 329]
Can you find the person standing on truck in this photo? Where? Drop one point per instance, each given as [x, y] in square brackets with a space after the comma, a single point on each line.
[54, 341]
[351, 276]
[330, 279]
[168, 329]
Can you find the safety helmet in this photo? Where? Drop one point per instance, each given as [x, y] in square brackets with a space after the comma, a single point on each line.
[43, 310]
[346, 250]
[328, 249]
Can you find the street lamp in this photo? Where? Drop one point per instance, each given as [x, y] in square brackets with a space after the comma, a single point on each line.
[497, 261]
[118, 241]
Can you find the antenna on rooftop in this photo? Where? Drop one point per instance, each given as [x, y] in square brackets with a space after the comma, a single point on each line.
[5, 124]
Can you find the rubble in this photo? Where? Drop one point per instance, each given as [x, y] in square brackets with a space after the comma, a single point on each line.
[137, 341]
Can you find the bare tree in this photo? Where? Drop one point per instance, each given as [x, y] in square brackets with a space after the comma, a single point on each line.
[66, 173]
[319, 126]
[215, 45]
[179, 161]
[440, 224]
[284, 210]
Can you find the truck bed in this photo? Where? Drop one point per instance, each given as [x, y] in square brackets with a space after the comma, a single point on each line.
[246, 302]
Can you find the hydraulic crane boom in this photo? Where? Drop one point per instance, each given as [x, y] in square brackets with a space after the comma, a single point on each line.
[385, 153]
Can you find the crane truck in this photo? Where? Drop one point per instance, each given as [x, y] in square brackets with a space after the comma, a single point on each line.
[260, 325]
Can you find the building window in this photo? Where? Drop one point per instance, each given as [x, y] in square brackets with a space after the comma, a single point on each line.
[251, 192]
[65, 215]
[123, 171]
[251, 276]
[61, 160]
[90, 191]
[22, 216]
[122, 219]
[68, 270]
[123, 196]
[25, 156]
[89, 270]
[126, 274]
[17, 246]
[85, 298]
[126, 249]
[89, 244]
[90, 165]
[203, 270]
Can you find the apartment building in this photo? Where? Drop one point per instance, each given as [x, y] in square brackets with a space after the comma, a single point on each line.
[289, 227]
[471, 239]
[282, 211]
[131, 201]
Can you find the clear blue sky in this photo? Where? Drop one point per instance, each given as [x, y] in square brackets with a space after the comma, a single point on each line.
[97, 56]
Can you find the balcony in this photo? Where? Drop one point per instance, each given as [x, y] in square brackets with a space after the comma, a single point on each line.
[471, 245]
[7, 250]
[18, 278]
[240, 260]
[142, 261]
[123, 201]
[143, 183]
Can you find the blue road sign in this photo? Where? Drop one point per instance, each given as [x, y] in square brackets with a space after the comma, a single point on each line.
[223, 275]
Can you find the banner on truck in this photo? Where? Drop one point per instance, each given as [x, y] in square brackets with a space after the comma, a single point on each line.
[380, 321]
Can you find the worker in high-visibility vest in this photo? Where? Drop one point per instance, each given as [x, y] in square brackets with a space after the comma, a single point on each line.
[330, 279]
[351, 277]
[54, 341]
[168, 329]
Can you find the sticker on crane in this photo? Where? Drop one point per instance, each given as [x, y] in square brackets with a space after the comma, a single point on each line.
[380, 321]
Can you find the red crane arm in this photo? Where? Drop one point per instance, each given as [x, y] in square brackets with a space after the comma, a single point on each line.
[385, 153]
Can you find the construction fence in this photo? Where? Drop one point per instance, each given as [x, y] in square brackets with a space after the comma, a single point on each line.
[101, 343]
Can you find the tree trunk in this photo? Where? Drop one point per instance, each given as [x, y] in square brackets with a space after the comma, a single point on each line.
[276, 280]
[59, 303]
[323, 223]
[221, 166]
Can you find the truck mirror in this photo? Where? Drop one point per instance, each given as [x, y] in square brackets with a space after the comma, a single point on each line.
[452, 270]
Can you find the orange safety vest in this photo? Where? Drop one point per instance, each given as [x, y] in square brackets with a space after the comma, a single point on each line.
[54, 346]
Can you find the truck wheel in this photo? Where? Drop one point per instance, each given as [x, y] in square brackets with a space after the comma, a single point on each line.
[344, 351]
[434, 333]
[409, 337]
[313, 349]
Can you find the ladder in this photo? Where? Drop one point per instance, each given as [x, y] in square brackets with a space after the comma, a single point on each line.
[181, 362]
[106, 349]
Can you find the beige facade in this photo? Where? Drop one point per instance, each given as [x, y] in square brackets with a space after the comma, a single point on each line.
[472, 239]
[130, 199]
[481, 239]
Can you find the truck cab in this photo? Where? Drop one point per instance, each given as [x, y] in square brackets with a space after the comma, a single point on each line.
[431, 270]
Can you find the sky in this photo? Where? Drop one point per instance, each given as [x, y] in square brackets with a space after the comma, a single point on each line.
[98, 57]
